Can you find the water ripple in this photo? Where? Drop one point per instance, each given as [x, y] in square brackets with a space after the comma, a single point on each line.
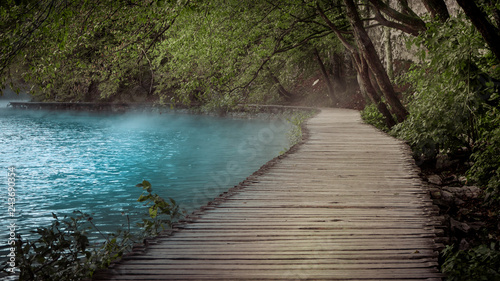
[91, 162]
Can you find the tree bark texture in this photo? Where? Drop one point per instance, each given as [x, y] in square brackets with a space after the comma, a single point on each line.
[388, 53]
[281, 90]
[480, 20]
[368, 52]
[365, 84]
[438, 9]
[407, 22]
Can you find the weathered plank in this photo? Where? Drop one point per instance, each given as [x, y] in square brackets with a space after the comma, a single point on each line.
[346, 205]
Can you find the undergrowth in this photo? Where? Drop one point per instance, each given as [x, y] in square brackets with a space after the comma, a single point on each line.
[372, 116]
[63, 250]
[454, 107]
[297, 120]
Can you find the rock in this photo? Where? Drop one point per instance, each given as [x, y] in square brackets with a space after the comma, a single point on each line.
[450, 179]
[472, 192]
[477, 225]
[464, 245]
[462, 179]
[435, 193]
[459, 226]
[443, 162]
[447, 197]
[434, 179]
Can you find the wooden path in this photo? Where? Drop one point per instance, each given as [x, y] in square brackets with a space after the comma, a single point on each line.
[346, 205]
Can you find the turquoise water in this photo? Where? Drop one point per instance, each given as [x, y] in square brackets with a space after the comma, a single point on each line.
[67, 161]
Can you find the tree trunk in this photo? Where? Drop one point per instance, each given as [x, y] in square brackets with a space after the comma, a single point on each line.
[437, 8]
[388, 50]
[368, 52]
[331, 93]
[408, 21]
[388, 53]
[480, 20]
[365, 84]
[281, 90]
[339, 84]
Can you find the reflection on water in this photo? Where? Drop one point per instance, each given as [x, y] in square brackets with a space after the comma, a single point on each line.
[92, 162]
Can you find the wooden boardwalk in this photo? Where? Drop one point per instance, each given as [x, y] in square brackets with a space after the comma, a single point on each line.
[346, 205]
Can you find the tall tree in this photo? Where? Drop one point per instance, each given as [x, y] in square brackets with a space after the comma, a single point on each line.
[362, 68]
[367, 49]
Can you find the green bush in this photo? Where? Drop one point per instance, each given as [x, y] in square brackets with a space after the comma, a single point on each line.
[372, 116]
[486, 168]
[62, 251]
[479, 263]
[454, 107]
[444, 101]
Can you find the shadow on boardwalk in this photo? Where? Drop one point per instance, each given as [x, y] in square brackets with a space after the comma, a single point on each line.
[346, 205]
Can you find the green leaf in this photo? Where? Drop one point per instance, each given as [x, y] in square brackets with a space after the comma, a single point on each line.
[153, 211]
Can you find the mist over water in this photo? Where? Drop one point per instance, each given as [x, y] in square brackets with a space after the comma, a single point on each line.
[68, 161]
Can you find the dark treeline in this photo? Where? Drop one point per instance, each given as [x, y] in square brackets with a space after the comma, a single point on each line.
[225, 52]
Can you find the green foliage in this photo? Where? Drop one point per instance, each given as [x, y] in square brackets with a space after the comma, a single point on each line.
[63, 251]
[160, 211]
[217, 54]
[454, 106]
[73, 46]
[372, 116]
[479, 263]
[444, 99]
[297, 120]
[486, 168]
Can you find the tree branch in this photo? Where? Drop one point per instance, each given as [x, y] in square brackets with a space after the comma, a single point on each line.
[405, 28]
[409, 21]
[334, 28]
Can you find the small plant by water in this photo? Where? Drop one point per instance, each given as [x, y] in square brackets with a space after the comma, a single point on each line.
[297, 120]
[63, 250]
[161, 213]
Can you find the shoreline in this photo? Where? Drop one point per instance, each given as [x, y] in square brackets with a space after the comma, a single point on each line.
[139, 249]
[238, 110]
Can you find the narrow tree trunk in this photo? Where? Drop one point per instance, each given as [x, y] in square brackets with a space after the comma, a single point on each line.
[339, 84]
[438, 9]
[388, 50]
[388, 53]
[366, 85]
[480, 20]
[281, 90]
[368, 52]
[331, 93]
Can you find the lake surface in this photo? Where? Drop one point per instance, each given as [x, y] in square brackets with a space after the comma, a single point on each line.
[66, 161]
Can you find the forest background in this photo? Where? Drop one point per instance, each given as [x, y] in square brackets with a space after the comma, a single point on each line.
[425, 71]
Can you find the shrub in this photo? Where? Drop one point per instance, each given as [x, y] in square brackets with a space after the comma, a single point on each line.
[479, 263]
[62, 251]
[372, 116]
[444, 99]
